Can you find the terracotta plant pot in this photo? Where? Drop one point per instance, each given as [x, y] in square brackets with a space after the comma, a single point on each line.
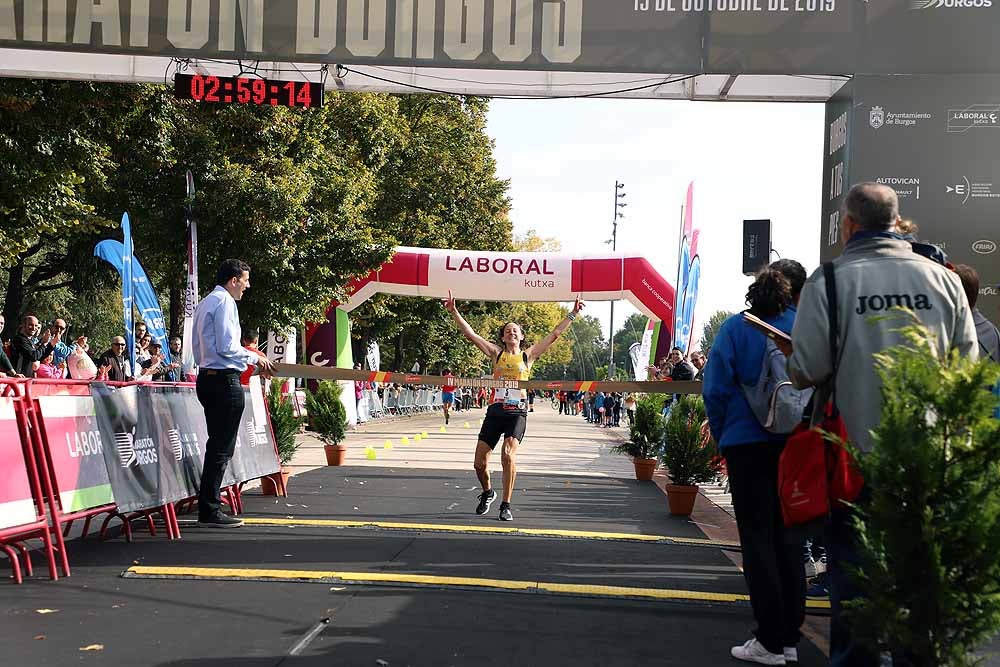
[681, 499]
[269, 484]
[335, 454]
[644, 469]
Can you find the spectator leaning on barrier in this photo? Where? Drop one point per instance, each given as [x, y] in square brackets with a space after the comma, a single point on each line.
[48, 369]
[772, 564]
[877, 269]
[26, 349]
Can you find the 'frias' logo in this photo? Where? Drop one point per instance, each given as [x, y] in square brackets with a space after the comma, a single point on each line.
[877, 302]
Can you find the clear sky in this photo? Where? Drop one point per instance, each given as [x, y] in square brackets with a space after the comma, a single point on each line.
[747, 160]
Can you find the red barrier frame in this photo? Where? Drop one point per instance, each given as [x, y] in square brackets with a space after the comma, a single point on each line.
[12, 538]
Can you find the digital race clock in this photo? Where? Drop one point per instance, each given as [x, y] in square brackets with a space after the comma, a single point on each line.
[247, 90]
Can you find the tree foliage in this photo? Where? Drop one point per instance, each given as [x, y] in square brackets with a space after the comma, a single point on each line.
[309, 198]
[711, 328]
[933, 512]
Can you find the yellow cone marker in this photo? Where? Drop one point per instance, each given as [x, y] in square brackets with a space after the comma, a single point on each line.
[370, 453]
[425, 434]
[443, 429]
[387, 445]
[417, 438]
[466, 424]
[404, 441]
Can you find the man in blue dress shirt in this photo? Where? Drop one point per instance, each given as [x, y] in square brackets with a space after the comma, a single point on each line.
[221, 359]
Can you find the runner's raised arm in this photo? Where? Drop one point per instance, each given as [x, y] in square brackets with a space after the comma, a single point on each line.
[539, 348]
[488, 348]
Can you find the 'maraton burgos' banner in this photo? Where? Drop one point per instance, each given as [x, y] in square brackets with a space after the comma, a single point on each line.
[656, 36]
[154, 442]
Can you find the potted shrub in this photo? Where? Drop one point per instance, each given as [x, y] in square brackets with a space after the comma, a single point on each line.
[645, 436]
[328, 419]
[689, 458]
[928, 534]
[285, 425]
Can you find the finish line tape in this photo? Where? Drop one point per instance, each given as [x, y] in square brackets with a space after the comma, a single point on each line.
[330, 373]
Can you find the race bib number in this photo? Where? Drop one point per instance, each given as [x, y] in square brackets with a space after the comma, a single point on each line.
[511, 398]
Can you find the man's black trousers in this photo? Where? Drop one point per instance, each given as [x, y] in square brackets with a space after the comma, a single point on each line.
[773, 568]
[221, 394]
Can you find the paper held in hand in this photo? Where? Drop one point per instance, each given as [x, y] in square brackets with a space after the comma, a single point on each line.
[765, 328]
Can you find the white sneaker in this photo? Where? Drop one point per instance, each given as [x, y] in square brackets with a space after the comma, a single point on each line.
[754, 651]
[791, 654]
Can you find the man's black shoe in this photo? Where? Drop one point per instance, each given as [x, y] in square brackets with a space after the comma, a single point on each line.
[486, 499]
[220, 521]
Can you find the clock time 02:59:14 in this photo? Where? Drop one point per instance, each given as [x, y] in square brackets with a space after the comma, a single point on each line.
[245, 90]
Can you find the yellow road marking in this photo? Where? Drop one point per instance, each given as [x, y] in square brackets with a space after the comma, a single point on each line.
[587, 590]
[449, 528]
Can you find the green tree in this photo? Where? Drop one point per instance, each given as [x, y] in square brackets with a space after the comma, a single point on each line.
[54, 160]
[439, 189]
[589, 352]
[712, 327]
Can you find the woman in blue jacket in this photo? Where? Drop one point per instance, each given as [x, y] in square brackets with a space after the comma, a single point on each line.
[774, 571]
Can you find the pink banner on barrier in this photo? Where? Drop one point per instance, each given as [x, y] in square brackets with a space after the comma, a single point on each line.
[16, 504]
[76, 450]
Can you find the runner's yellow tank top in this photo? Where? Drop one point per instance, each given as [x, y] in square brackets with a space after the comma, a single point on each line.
[510, 367]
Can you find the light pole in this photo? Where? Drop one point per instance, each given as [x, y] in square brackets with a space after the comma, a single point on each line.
[619, 195]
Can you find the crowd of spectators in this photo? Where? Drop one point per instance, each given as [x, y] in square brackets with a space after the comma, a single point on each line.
[48, 352]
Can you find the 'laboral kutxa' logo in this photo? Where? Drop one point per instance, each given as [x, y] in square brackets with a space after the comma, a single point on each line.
[949, 4]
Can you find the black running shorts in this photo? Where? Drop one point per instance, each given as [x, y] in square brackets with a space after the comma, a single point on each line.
[499, 422]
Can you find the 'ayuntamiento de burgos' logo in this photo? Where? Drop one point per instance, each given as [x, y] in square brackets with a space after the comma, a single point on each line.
[876, 117]
[949, 4]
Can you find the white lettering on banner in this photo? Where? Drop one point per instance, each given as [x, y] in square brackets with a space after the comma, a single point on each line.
[186, 29]
[463, 31]
[145, 451]
[138, 32]
[838, 133]
[366, 27]
[512, 29]
[84, 443]
[562, 30]
[252, 14]
[409, 25]
[316, 26]
[106, 14]
[833, 234]
[8, 23]
[655, 293]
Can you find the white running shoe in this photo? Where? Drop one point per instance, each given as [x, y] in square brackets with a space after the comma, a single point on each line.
[791, 654]
[754, 651]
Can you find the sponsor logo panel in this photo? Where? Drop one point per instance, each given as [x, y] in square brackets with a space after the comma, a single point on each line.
[964, 189]
[974, 116]
[879, 116]
[906, 187]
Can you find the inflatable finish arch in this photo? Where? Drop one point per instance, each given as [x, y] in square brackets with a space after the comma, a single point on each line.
[495, 276]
